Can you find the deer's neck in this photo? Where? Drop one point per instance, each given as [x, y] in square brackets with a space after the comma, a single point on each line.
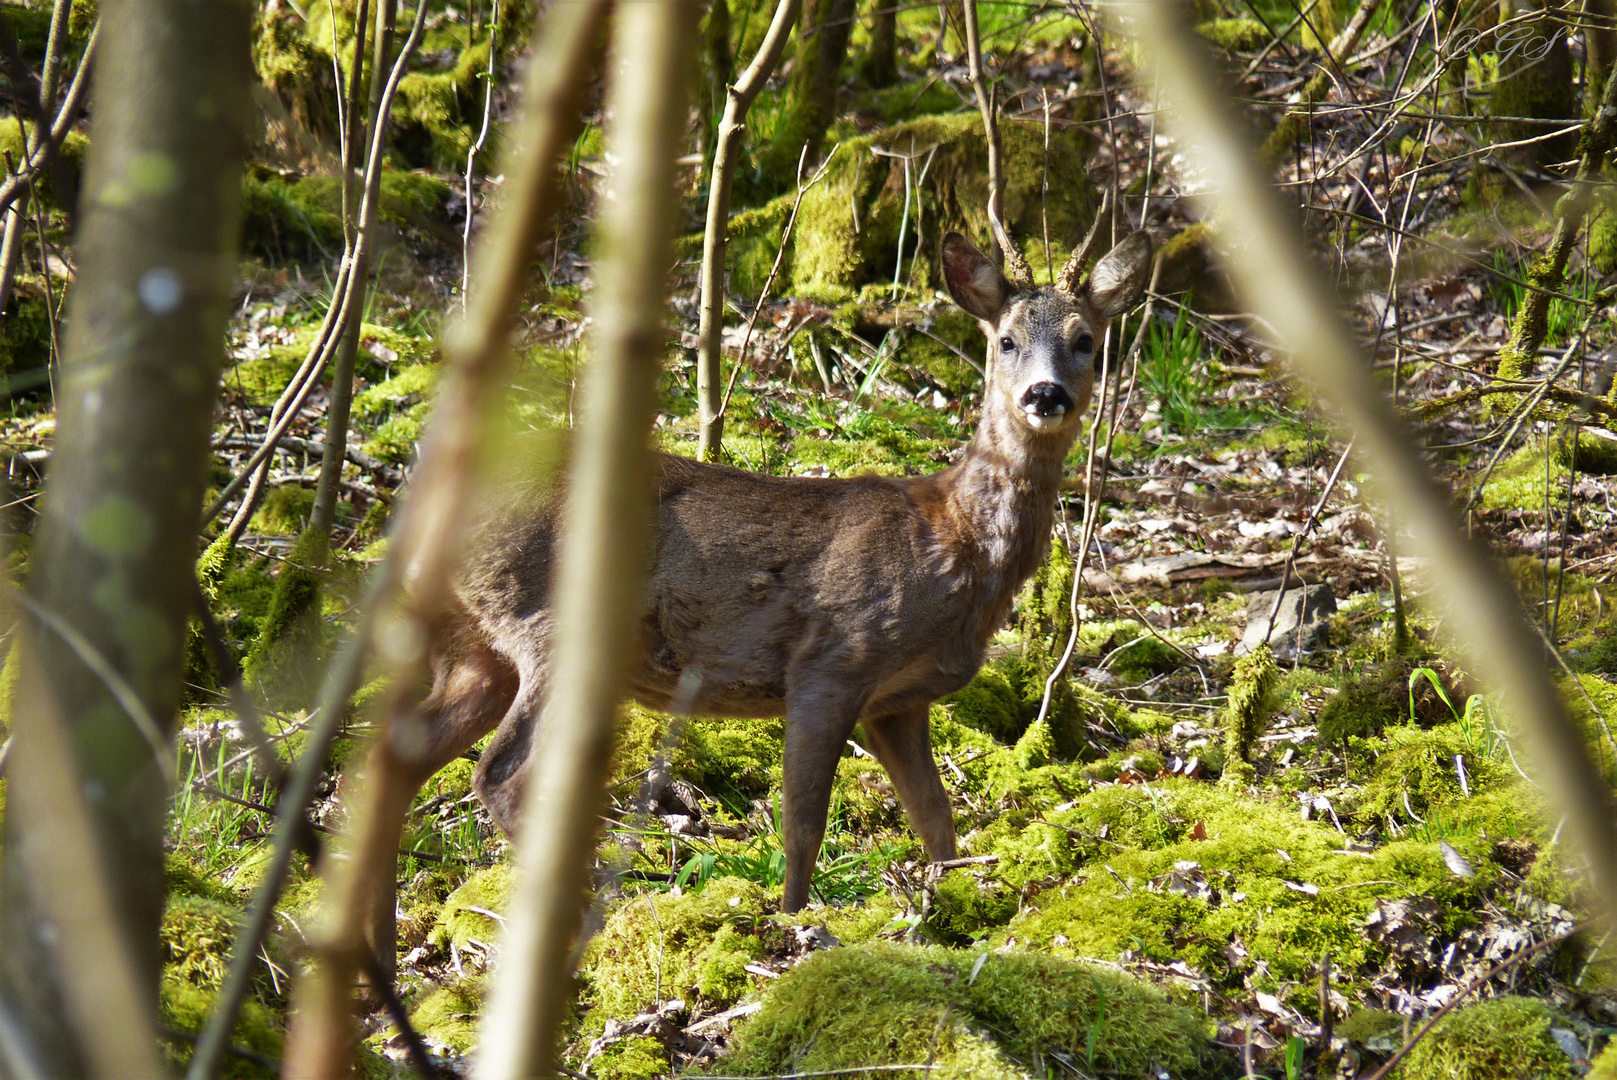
[1002, 498]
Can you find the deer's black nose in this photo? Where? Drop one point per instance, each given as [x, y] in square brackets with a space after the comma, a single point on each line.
[1046, 399]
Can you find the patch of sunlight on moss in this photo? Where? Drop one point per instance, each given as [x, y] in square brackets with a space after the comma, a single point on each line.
[394, 440]
[1518, 482]
[736, 758]
[885, 1004]
[1420, 764]
[1507, 1038]
[261, 379]
[184, 1006]
[695, 947]
[1150, 827]
[464, 914]
[406, 387]
[448, 1015]
[638, 1057]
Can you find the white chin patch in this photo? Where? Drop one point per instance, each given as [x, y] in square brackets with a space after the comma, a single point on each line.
[1043, 423]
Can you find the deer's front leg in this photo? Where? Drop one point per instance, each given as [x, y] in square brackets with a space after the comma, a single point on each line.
[819, 719]
[902, 742]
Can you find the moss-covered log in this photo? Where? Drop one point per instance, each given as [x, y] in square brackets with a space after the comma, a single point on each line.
[847, 231]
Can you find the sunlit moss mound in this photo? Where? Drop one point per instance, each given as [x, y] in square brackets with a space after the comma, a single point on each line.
[196, 935]
[969, 1014]
[1235, 35]
[847, 229]
[448, 1014]
[695, 947]
[1507, 1038]
[185, 1007]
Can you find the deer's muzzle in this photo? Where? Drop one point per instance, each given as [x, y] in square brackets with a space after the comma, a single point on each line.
[1046, 404]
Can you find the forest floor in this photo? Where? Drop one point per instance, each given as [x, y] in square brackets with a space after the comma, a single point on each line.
[1142, 890]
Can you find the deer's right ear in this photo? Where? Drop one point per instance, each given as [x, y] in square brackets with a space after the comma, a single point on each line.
[973, 280]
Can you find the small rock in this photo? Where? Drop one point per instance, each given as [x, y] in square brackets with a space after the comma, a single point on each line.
[1300, 622]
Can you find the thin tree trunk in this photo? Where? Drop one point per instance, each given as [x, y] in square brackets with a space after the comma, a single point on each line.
[112, 582]
[822, 45]
[603, 551]
[718, 68]
[880, 67]
[727, 149]
[324, 514]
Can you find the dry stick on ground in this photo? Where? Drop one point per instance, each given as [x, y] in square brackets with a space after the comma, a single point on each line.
[1281, 285]
[1572, 209]
[82, 876]
[726, 155]
[603, 555]
[425, 533]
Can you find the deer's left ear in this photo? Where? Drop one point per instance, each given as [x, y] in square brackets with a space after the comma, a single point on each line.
[1118, 279]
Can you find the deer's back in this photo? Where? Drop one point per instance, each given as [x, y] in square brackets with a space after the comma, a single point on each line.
[755, 577]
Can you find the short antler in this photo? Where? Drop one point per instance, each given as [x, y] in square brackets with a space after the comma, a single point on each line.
[1071, 280]
[1017, 270]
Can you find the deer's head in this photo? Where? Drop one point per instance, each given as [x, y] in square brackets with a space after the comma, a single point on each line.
[1044, 342]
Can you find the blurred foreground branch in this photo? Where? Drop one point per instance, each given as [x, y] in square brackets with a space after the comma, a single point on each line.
[603, 551]
[476, 355]
[83, 872]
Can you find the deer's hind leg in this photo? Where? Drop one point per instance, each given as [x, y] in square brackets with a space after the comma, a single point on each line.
[902, 742]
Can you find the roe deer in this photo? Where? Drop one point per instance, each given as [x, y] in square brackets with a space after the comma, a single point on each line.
[832, 601]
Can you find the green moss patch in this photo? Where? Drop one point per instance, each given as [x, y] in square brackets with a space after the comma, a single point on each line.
[967, 1014]
[694, 947]
[1507, 1038]
[831, 257]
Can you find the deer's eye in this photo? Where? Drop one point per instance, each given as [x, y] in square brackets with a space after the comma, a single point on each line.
[1007, 345]
[1084, 344]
